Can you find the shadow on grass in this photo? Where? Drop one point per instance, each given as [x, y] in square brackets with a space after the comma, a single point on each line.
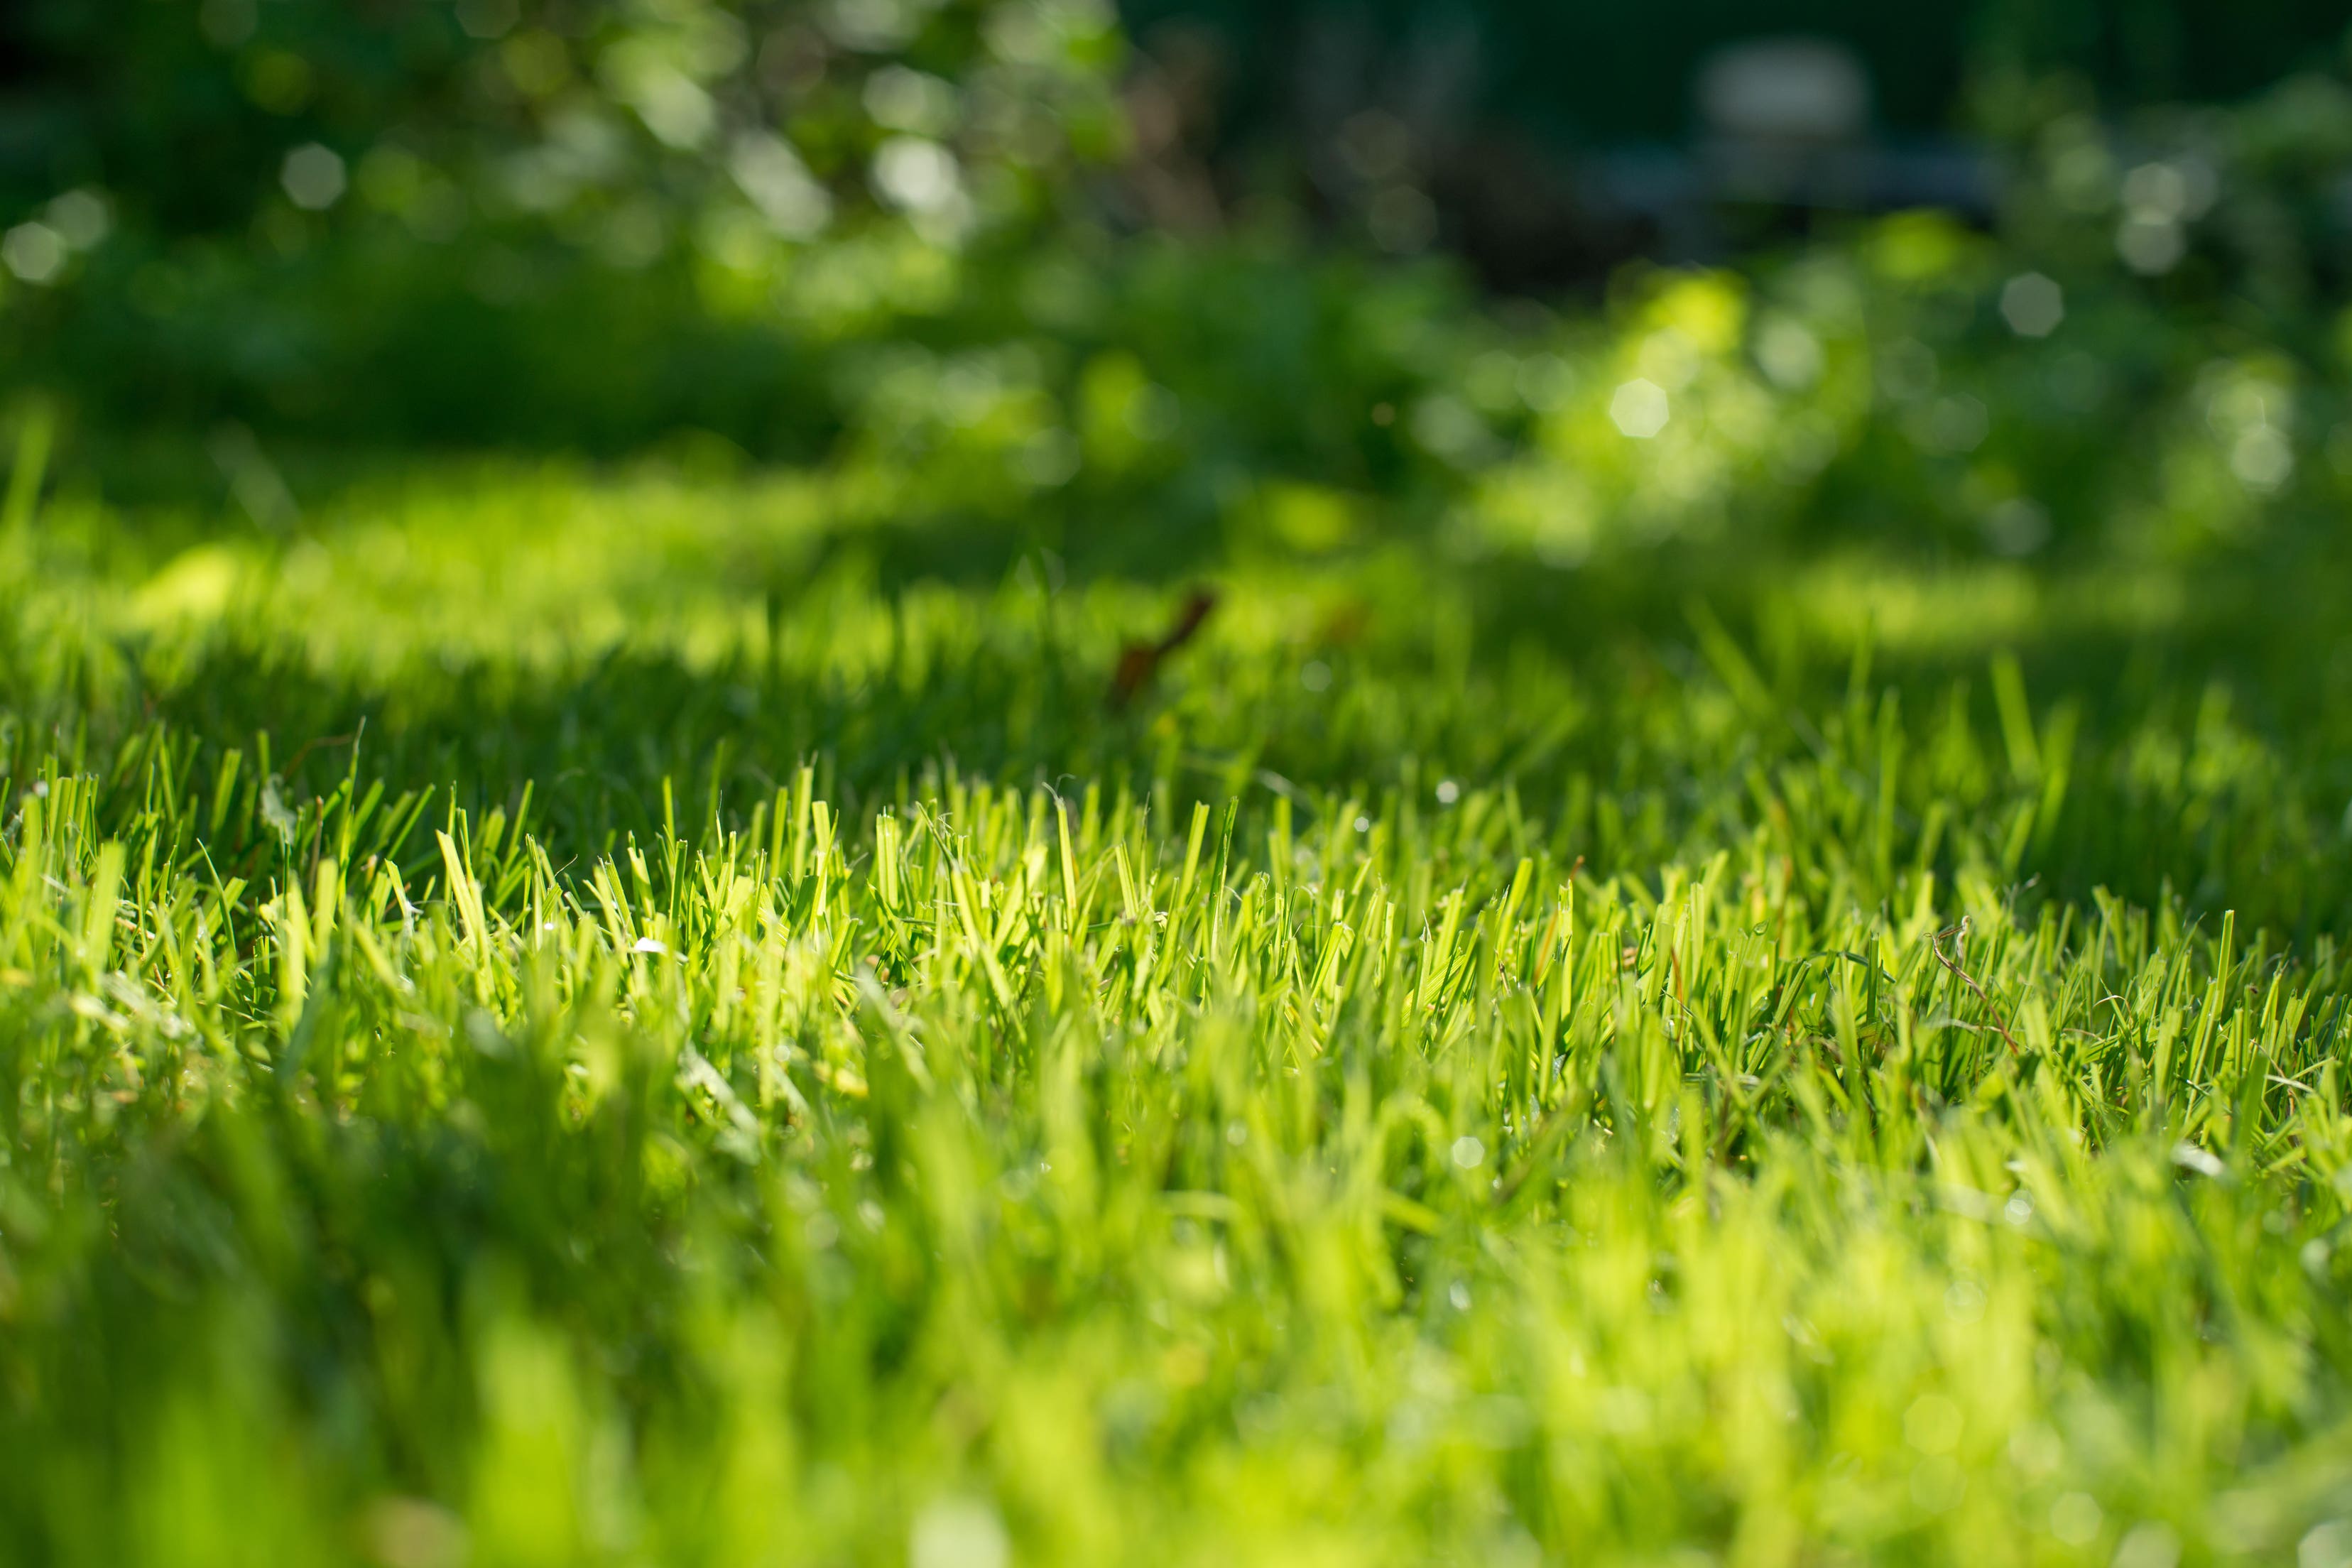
[1628, 752]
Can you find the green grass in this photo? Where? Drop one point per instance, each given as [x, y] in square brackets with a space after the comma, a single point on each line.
[1729, 948]
[1760, 995]
[552, 1015]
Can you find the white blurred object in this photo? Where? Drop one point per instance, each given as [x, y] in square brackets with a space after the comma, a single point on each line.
[1787, 121]
[1785, 90]
[1639, 409]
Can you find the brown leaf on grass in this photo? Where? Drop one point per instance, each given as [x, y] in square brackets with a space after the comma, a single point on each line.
[1140, 662]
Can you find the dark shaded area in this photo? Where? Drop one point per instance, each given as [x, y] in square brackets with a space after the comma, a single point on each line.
[1572, 74]
[1548, 143]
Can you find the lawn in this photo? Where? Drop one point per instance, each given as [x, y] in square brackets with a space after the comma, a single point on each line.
[664, 1013]
[792, 783]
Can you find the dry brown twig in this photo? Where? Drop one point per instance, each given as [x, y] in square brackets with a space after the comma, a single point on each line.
[1960, 932]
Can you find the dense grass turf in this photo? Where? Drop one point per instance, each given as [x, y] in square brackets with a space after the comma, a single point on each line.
[556, 1018]
[1728, 947]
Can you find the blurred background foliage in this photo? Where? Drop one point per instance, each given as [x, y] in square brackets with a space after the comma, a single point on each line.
[1532, 284]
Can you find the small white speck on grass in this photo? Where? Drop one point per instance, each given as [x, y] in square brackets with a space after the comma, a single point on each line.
[1459, 1294]
[1448, 792]
[2190, 1157]
[649, 944]
[958, 1532]
[1469, 1152]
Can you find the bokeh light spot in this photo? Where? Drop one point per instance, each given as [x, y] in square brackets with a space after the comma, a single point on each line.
[1639, 409]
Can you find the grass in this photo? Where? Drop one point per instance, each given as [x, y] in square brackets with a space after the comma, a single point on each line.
[552, 1016]
[1728, 949]
[535, 1042]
